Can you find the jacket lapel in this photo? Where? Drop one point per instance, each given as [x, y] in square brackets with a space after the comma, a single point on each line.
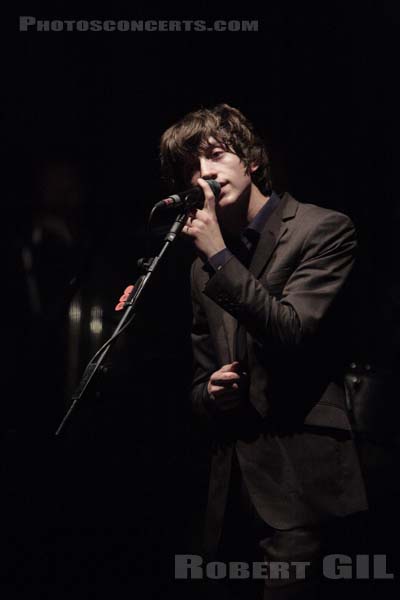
[269, 238]
[274, 229]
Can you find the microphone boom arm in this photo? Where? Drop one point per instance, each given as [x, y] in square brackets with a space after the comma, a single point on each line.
[131, 305]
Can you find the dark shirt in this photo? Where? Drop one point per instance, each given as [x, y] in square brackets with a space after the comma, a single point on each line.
[248, 238]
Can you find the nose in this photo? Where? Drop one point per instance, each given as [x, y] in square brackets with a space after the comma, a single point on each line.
[207, 168]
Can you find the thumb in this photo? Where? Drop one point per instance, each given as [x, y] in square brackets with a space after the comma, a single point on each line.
[235, 366]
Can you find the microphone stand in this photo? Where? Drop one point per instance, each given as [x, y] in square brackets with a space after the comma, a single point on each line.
[131, 305]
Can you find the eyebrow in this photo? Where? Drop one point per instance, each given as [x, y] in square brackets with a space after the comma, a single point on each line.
[211, 146]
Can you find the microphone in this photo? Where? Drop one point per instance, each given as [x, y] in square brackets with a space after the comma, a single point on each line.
[192, 198]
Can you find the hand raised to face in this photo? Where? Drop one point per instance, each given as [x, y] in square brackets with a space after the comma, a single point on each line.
[202, 225]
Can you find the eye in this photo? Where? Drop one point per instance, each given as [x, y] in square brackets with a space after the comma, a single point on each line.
[217, 153]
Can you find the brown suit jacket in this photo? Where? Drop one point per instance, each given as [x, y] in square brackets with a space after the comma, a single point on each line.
[292, 433]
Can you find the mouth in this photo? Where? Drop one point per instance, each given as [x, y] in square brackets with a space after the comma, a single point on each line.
[222, 190]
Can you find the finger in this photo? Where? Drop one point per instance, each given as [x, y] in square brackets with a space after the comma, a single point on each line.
[223, 388]
[225, 375]
[224, 378]
[225, 385]
[233, 366]
[219, 390]
[195, 222]
[187, 230]
[201, 215]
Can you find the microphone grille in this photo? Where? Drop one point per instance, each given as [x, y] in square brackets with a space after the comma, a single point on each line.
[215, 186]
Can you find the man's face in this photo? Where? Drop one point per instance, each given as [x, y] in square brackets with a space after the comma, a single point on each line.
[226, 168]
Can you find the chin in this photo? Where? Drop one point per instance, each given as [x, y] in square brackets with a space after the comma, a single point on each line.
[226, 201]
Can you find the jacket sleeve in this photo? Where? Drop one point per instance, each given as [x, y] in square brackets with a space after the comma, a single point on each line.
[204, 356]
[324, 262]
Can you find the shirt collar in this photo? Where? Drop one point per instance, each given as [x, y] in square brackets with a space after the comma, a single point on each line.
[255, 227]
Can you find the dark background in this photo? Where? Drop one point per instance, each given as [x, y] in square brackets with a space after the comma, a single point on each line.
[123, 489]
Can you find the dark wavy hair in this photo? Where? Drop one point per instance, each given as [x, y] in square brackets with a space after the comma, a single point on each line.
[181, 144]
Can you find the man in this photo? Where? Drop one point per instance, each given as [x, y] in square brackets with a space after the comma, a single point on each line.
[268, 293]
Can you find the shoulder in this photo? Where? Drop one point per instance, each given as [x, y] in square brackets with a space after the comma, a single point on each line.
[310, 218]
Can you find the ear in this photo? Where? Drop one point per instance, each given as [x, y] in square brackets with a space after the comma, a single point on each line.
[253, 167]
